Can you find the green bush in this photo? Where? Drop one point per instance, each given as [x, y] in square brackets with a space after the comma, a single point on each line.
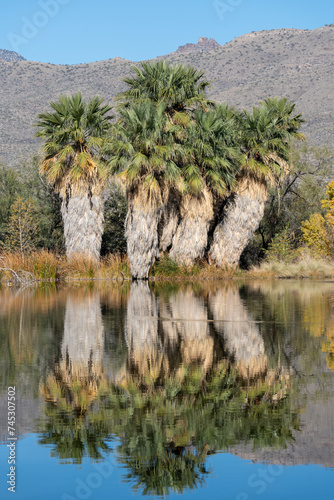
[281, 249]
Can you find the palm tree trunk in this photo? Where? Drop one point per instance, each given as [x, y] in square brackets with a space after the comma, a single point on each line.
[242, 215]
[169, 221]
[83, 224]
[191, 237]
[141, 232]
[242, 337]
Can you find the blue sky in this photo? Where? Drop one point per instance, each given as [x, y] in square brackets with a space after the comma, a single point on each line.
[80, 31]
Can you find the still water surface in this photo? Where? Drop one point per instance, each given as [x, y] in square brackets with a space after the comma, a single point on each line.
[220, 389]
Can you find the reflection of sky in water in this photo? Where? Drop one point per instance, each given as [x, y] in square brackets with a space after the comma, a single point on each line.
[76, 347]
[233, 478]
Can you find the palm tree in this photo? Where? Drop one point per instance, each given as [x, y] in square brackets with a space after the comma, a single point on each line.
[181, 89]
[143, 151]
[265, 136]
[75, 133]
[210, 162]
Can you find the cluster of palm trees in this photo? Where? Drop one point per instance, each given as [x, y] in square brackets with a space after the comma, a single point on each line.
[191, 167]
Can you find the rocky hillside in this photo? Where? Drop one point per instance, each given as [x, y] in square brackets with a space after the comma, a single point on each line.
[10, 56]
[298, 64]
[203, 44]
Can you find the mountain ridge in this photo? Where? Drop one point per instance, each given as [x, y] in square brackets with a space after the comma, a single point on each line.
[298, 64]
[10, 56]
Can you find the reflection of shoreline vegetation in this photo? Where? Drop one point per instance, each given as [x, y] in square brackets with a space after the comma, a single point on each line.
[166, 432]
[311, 306]
[191, 418]
[169, 386]
[175, 399]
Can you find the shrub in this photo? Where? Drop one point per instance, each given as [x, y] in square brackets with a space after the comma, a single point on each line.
[166, 267]
[280, 249]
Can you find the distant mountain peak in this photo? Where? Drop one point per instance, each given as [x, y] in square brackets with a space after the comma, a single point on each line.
[10, 56]
[203, 44]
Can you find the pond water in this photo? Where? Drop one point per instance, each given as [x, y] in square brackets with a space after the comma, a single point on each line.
[223, 389]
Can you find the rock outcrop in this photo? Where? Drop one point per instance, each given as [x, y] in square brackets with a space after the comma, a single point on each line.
[203, 44]
[10, 56]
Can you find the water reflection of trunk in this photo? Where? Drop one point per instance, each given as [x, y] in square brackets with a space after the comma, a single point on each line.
[186, 318]
[83, 340]
[164, 334]
[242, 336]
[74, 426]
[78, 373]
[145, 350]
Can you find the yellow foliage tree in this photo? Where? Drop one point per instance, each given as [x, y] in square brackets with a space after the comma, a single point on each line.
[315, 236]
[318, 231]
[22, 227]
[328, 205]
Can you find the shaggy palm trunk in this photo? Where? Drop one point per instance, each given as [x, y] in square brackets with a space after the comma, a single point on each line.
[83, 224]
[242, 215]
[191, 237]
[141, 232]
[169, 221]
[241, 335]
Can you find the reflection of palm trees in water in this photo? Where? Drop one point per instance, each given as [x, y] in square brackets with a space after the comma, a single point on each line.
[74, 383]
[241, 335]
[83, 340]
[145, 347]
[161, 343]
[187, 401]
[79, 371]
[187, 316]
[176, 402]
[244, 343]
[164, 336]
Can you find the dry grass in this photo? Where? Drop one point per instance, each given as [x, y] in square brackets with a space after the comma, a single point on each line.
[43, 265]
[304, 268]
[113, 266]
[80, 267]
